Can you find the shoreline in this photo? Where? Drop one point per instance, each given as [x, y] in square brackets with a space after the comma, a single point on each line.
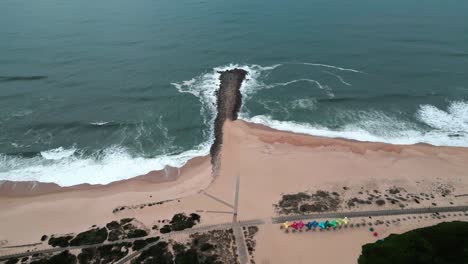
[271, 163]
[273, 173]
[170, 174]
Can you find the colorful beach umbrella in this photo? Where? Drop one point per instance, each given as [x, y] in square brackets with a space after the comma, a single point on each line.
[315, 224]
[322, 225]
[300, 225]
[345, 220]
[295, 225]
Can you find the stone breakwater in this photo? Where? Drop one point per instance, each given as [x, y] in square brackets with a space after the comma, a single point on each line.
[229, 101]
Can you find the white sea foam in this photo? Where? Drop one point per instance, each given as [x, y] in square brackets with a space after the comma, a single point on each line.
[58, 153]
[329, 66]
[338, 77]
[304, 103]
[67, 167]
[455, 119]
[99, 123]
[328, 90]
[113, 164]
[204, 87]
[450, 128]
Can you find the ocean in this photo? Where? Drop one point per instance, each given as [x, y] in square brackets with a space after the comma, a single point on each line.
[99, 91]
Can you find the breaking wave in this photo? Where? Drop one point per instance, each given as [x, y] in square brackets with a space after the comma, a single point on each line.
[100, 123]
[440, 127]
[68, 167]
[58, 153]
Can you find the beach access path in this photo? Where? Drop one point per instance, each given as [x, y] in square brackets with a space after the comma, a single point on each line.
[254, 222]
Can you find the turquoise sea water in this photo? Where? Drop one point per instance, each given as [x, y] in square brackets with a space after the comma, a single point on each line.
[97, 91]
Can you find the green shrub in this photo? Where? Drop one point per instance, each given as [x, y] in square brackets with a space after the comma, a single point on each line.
[187, 257]
[158, 253]
[124, 221]
[90, 237]
[62, 241]
[206, 247]
[165, 229]
[139, 244]
[104, 254]
[12, 261]
[113, 225]
[62, 258]
[87, 255]
[181, 221]
[152, 239]
[114, 235]
[137, 233]
[442, 244]
[195, 217]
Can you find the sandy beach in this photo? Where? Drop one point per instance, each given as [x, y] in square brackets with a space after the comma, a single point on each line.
[269, 162]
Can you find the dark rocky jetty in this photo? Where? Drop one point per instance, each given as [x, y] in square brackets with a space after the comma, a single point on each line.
[229, 100]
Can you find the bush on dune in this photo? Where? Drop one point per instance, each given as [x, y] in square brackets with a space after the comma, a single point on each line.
[90, 237]
[62, 241]
[442, 244]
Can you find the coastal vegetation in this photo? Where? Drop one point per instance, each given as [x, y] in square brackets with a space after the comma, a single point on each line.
[90, 237]
[354, 197]
[442, 244]
[250, 242]
[61, 241]
[141, 243]
[104, 254]
[215, 246]
[304, 202]
[180, 222]
[63, 257]
[125, 228]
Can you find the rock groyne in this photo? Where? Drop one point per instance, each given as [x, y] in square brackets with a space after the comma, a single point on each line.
[229, 101]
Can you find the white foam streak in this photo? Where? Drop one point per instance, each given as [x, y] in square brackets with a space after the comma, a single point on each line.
[326, 88]
[330, 66]
[99, 123]
[339, 78]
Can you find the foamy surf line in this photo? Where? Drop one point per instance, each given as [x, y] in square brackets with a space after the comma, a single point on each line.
[448, 128]
[65, 168]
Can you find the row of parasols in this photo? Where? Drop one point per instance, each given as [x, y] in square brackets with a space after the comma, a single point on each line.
[300, 225]
[314, 224]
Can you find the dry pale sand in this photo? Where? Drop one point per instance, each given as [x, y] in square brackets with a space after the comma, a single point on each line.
[336, 246]
[269, 163]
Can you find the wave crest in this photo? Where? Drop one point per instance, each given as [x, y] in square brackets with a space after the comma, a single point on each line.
[448, 128]
[65, 168]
